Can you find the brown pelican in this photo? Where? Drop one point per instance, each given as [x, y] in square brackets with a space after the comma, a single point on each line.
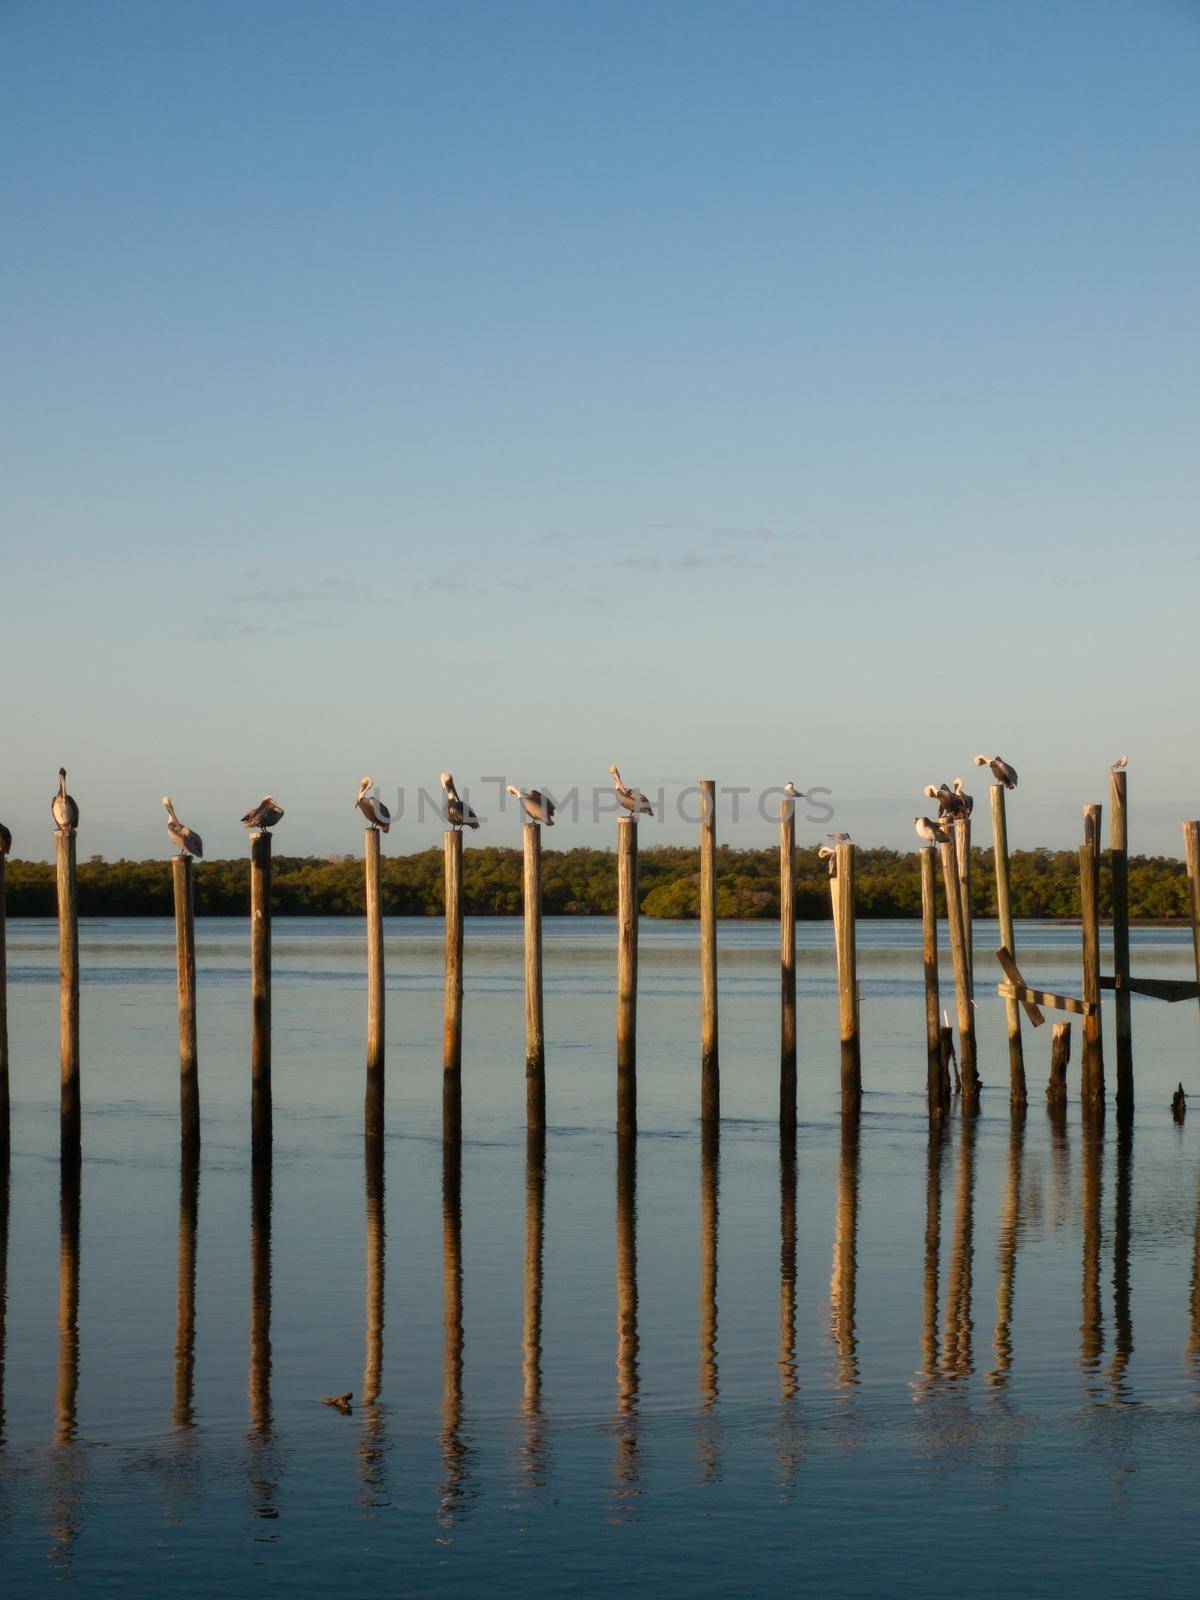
[633, 800]
[458, 813]
[968, 800]
[536, 806]
[1001, 771]
[5, 840]
[62, 807]
[1120, 764]
[265, 815]
[188, 840]
[930, 830]
[371, 806]
[949, 803]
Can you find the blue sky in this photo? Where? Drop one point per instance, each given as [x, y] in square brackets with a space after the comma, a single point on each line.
[748, 390]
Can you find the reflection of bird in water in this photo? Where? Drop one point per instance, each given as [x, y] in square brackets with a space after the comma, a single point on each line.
[340, 1402]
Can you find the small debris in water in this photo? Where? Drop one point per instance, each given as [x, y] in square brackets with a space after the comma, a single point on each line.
[340, 1402]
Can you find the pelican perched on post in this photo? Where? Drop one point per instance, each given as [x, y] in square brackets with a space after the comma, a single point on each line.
[949, 803]
[929, 830]
[536, 806]
[188, 840]
[633, 800]
[792, 792]
[265, 815]
[458, 812]
[968, 800]
[1004, 775]
[372, 807]
[1120, 764]
[62, 807]
[5, 840]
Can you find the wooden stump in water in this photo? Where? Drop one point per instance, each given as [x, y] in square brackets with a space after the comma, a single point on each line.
[1060, 1058]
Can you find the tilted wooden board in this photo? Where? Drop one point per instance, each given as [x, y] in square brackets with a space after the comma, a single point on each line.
[1041, 997]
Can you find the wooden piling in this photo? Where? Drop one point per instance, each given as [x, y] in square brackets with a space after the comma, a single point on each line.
[185, 963]
[962, 975]
[627, 974]
[929, 956]
[453, 1020]
[787, 964]
[710, 1074]
[1119, 841]
[962, 851]
[1060, 1060]
[70, 1111]
[260, 993]
[842, 889]
[1191, 843]
[1092, 1054]
[947, 1057]
[5, 1112]
[374, 1105]
[1017, 1091]
[535, 1042]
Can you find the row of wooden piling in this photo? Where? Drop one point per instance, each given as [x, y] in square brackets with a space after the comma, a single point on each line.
[953, 853]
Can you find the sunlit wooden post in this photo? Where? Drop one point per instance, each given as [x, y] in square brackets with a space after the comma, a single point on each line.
[627, 974]
[1092, 1055]
[1060, 1060]
[5, 1112]
[962, 975]
[710, 1072]
[846, 939]
[260, 993]
[1120, 926]
[70, 1110]
[962, 849]
[929, 959]
[374, 1112]
[1018, 1094]
[535, 1039]
[1191, 843]
[185, 963]
[787, 964]
[453, 1019]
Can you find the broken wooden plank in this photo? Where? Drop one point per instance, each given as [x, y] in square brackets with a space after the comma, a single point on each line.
[1005, 957]
[1042, 997]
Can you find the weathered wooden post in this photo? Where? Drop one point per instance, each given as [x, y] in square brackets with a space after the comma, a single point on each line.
[1120, 926]
[1092, 1055]
[452, 1024]
[710, 1072]
[535, 1039]
[845, 935]
[962, 976]
[962, 849]
[787, 963]
[185, 963]
[5, 1111]
[1012, 1012]
[374, 1114]
[929, 957]
[627, 974]
[1060, 1059]
[260, 993]
[1191, 843]
[70, 1110]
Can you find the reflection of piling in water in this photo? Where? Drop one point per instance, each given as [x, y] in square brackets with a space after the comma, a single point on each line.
[531, 1331]
[957, 1350]
[5, 1187]
[259, 1385]
[1006, 1253]
[787, 1268]
[454, 1450]
[843, 1282]
[182, 1412]
[1091, 1327]
[627, 1460]
[934, 1160]
[710, 1183]
[67, 1464]
[1193, 1345]
[371, 1441]
[1122, 1221]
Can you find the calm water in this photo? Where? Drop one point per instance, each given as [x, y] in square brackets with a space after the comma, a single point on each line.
[888, 1362]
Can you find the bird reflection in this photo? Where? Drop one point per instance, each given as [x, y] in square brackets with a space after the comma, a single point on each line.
[1006, 1254]
[934, 1162]
[183, 1413]
[957, 1351]
[372, 1442]
[1122, 1307]
[263, 1467]
[843, 1282]
[456, 1454]
[710, 1183]
[626, 1469]
[67, 1465]
[1091, 1326]
[535, 1444]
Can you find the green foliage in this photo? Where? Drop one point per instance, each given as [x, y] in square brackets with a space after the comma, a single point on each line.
[582, 882]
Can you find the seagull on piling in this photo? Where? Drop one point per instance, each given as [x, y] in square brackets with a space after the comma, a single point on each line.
[536, 806]
[265, 815]
[1119, 764]
[792, 792]
[372, 807]
[633, 800]
[188, 840]
[458, 812]
[931, 831]
[839, 838]
[1004, 775]
[62, 807]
